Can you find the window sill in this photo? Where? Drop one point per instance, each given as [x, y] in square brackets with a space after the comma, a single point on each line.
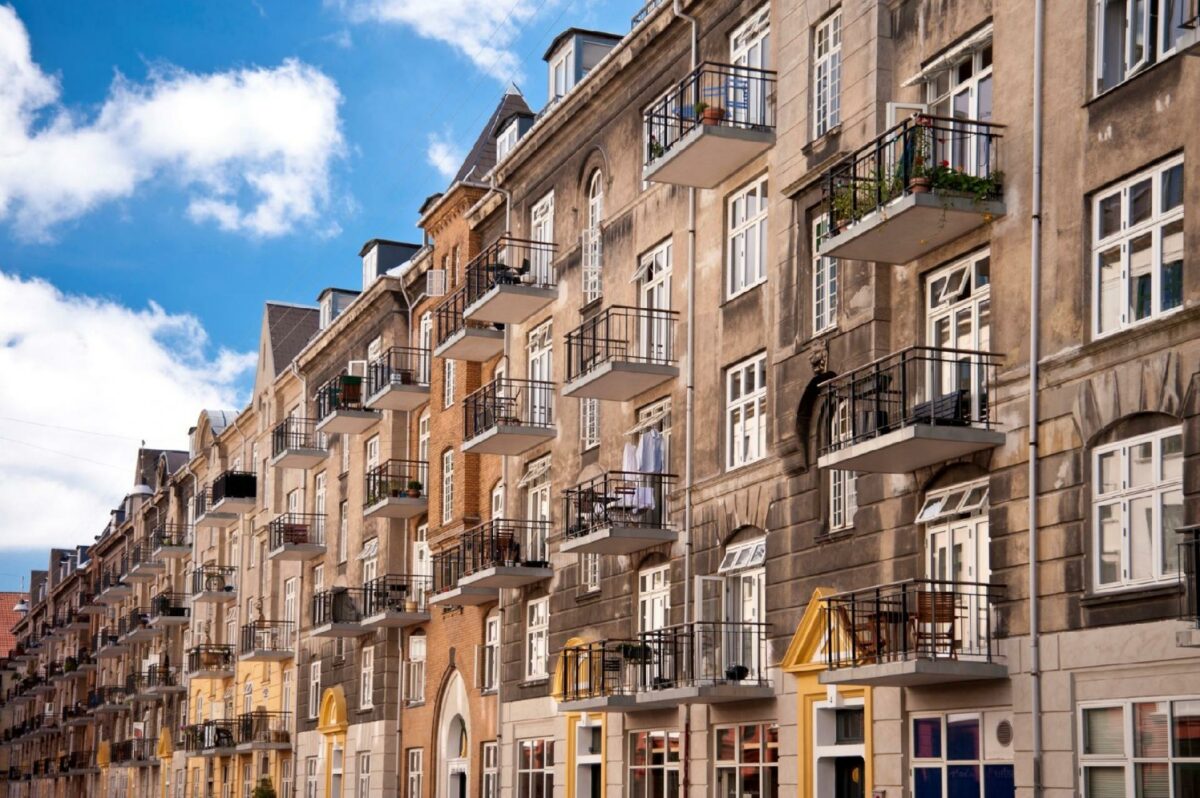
[1131, 594]
[588, 596]
[488, 691]
[741, 292]
[414, 704]
[1180, 47]
[540, 681]
[820, 141]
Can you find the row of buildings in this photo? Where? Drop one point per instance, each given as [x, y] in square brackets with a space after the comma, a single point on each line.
[684, 455]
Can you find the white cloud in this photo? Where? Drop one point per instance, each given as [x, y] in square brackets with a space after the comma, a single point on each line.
[91, 364]
[443, 155]
[482, 30]
[251, 147]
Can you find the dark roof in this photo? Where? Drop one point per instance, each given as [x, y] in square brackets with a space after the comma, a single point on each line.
[147, 463]
[175, 460]
[367, 246]
[289, 328]
[594, 34]
[429, 202]
[482, 157]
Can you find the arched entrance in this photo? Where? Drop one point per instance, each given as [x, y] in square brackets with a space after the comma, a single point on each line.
[454, 740]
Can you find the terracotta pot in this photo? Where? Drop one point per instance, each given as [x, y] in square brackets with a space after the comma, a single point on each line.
[918, 185]
[713, 115]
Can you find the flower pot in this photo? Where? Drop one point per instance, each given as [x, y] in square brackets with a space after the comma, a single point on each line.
[918, 185]
[414, 493]
[712, 115]
[410, 606]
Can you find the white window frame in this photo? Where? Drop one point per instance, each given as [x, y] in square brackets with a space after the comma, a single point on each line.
[589, 423]
[449, 375]
[1128, 760]
[592, 240]
[416, 771]
[363, 774]
[746, 240]
[541, 228]
[344, 532]
[537, 638]
[827, 74]
[423, 438]
[670, 768]
[1157, 490]
[562, 64]
[843, 485]
[1157, 45]
[414, 682]
[447, 486]
[654, 598]
[1154, 226]
[337, 766]
[366, 698]
[490, 665]
[824, 281]
[526, 773]
[589, 571]
[489, 787]
[746, 441]
[825, 746]
[310, 777]
[506, 142]
[982, 761]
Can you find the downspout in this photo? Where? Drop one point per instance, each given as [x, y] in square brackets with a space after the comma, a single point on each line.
[504, 460]
[1035, 276]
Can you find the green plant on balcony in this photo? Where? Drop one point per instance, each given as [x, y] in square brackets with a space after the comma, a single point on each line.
[414, 488]
[264, 789]
[954, 181]
[857, 196]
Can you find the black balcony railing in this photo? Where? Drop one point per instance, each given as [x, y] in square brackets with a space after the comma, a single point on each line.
[296, 529]
[617, 499]
[108, 636]
[644, 12]
[602, 669]
[713, 94]
[705, 653]
[210, 657]
[916, 619]
[202, 501]
[114, 575]
[638, 335]
[169, 605]
[510, 261]
[143, 554]
[342, 392]
[262, 727]
[211, 735]
[112, 695]
[921, 154]
[448, 317]
[296, 433]
[339, 605]
[214, 579]
[447, 565]
[171, 535]
[136, 620]
[507, 402]
[158, 677]
[919, 385]
[80, 760]
[403, 593]
[1189, 572]
[505, 541]
[234, 485]
[274, 636]
[399, 365]
[394, 479]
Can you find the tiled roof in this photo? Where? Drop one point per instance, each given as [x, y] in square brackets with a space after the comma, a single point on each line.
[8, 619]
[482, 157]
[289, 328]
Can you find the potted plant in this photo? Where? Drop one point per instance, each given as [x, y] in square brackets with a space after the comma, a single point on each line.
[709, 114]
[635, 652]
[264, 789]
[735, 673]
[656, 149]
[414, 488]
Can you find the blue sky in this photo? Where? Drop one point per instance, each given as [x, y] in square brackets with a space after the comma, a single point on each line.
[134, 245]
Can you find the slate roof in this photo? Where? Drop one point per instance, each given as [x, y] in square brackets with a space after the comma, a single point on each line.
[482, 157]
[289, 328]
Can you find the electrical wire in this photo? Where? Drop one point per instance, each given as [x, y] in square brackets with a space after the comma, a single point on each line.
[61, 453]
[68, 429]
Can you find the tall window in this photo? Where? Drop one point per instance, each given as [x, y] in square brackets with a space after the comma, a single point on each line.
[447, 486]
[589, 571]
[746, 411]
[838, 762]
[963, 89]
[1137, 506]
[654, 293]
[843, 485]
[336, 766]
[364, 775]
[310, 777]
[449, 375]
[746, 256]
[489, 667]
[345, 453]
[414, 686]
[592, 241]
[825, 281]
[654, 598]
[950, 760]
[343, 531]
[1137, 250]
[490, 786]
[367, 678]
[959, 321]
[1132, 34]
[507, 140]
[319, 499]
[425, 342]
[416, 771]
[541, 228]
[747, 761]
[537, 633]
[535, 768]
[1143, 748]
[827, 74]
[589, 424]
[654, 764]
[289, 690]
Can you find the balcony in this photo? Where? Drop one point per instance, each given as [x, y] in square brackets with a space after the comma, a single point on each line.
[109, 644]
[510, 280]
[133, 753]
[211, 661]
[234, 492]
[138, 686]
[621, 353]
[137, 628]
[340, 407]
[918, 632]
[214, 584]
[461, 339]
[918, 186]
[143, 565]
[709, 125]
[81, 763]
[296, 536]
[1189, 574]
[338, 612]
[396, 489]
[396, 602]
[618, 512]
[602, 676]
[398, 379]
[109, 700]
[89, 600]
[210, 738]
[207, 517]
[268, 641]
[113, 587]
[163, 680]
[169, 609]
[171, 541]
[295, 443]
[508, 417]
[264, 731]
[916, 408]
[505, 553]
[448, 567]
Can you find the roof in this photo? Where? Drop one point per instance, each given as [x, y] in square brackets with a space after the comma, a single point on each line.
[595, 34]
[367, 246]
[429, 202]
[8, 619]
[289, 328]
[482, 157]
[175, 460]
[147, 462]
[218, 420]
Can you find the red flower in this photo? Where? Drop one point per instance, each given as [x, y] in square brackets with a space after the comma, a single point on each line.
[944, 163]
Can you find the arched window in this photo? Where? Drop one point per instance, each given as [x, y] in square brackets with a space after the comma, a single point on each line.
[592, 239]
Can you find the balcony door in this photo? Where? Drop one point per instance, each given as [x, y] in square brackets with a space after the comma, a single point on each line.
[958, 308]
[541, 363]
[422, 559]
[425, 342]
[749, 46]
[654, 293]
[541, 228]
[730, 610]
[958, 553]
[537, 509]
[289, 611]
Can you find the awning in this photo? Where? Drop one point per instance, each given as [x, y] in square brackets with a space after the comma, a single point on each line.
[976, 41]
[535, 471]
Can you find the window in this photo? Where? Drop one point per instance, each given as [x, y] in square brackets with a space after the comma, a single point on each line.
[654, 598]
[1137, 251]
[1132, 34]
[490, 786]
[414, 682]
[343, 532]
[314, 688]
[535, 769]
[507, 140]
[838, 764]
[589, 571]
[248, 698]
[447, 486]
[336, 766]
[592, 242]
[843, 485]
[1143, 748]
[959, 317]
[541, 228]
[745, 411]
[1137, 507]
[948, 760]
[589, 424]
[364, 776]
[366, 699]
[319, 499]
[345, 453]
[289, 690]
[747, 761]
[310, 777]
[654, 764]
[746, 258]
[318, 578]
[562, 73]
[539, 350]
[654, 293]
[449, 375]
[537, 632]
[489, 676]
[825, 281]
[827, 74]
[415, 757]
[962, 89]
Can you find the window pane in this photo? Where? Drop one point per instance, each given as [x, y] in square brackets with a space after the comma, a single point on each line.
[1172, 458]
[962, 781]
[1110, 289]
[1110, 472]
[1102, 731]
[1110, 215]
[927, 738]
[1105, 782]
[1141, 537]
[1172, 186]
[1171, 276]
[1187, 734]
[752, 744]
[1141, 464]
[1109, 524]
[1172, 519]
[1141, 276]
[998, 781]
[1141, 201]
[1150, 729]
[726, 744]
[1152, 780]
[927, 782]
[962, 738]
[1187, 780]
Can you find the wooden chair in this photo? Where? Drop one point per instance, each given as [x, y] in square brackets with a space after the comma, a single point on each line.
[936, 623]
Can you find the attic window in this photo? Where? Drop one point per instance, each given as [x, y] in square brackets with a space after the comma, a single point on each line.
[507, 140]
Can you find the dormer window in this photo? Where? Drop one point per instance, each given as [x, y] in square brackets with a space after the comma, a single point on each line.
[507, 140]
[370, 267]
[326, 311]
[562, 73]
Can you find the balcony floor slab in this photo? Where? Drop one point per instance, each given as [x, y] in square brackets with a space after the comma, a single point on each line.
[465, 595]
[911, 447]
[709, 154]
[399, 396]
[297, 552]
[510, 303]
[916, 673]
[395, 619]
[617, 540]
[397, 507]
[349, 422]
[509, 439]
[299, 458]
[473, 344]
[620, 380]
[506, 576]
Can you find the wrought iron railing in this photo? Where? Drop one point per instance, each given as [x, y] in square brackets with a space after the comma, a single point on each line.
[296, 433]
[617, 499]
[1189, 574]
[169, 605]
[158, 677]
[510, 261]
[448, 566]
[171, 535]
[914, 619]
[602, 669]
[265, 635]
[448, 318]
[210, 657]
[638, 335]
[399, 365]
[263, 727]
[505, 541]
[136, 620]
[211, 735]
[342, 392]
[404, 593]
[234, 485]
[339, 605]
[705, 653]
[296, 529]
[508, 402]
[644, 13]
[214, 579]
[394, 479]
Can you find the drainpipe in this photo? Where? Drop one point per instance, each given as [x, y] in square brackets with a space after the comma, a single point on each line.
[1035, 276]
[503, 464]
